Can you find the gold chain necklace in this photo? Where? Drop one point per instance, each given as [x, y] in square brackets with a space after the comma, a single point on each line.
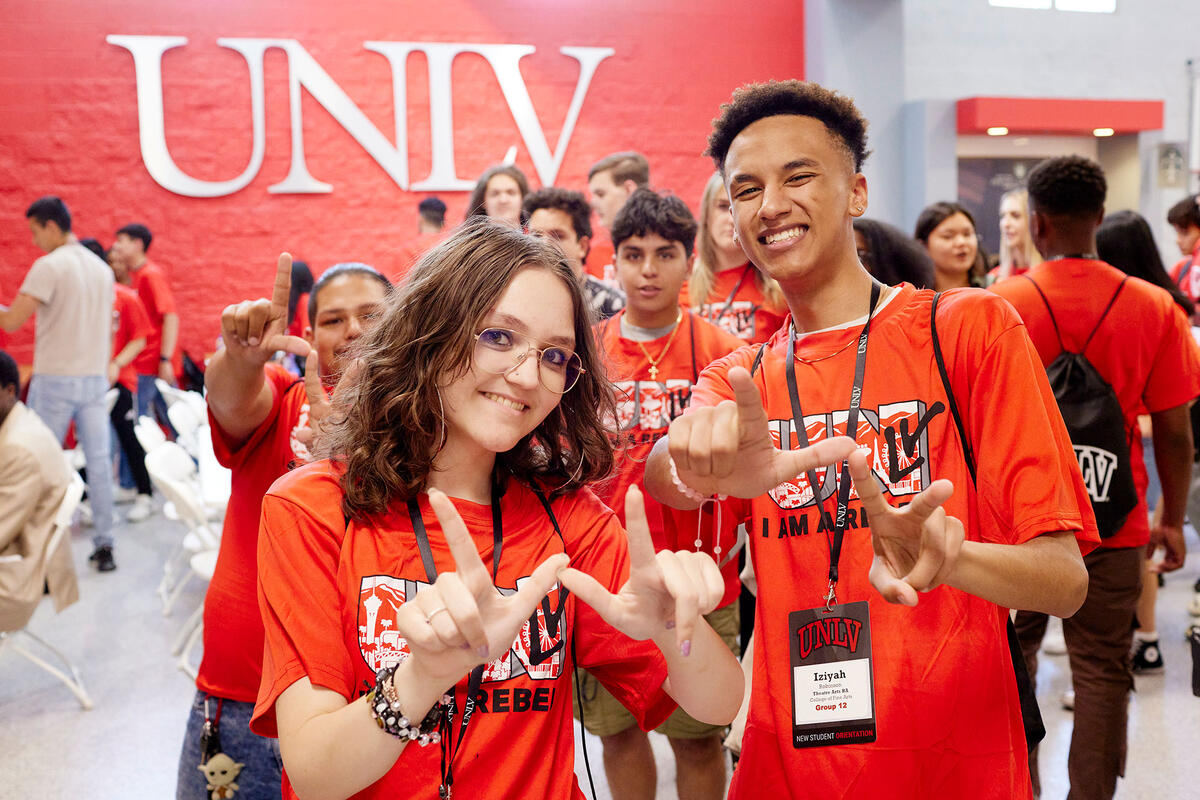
[654, 362]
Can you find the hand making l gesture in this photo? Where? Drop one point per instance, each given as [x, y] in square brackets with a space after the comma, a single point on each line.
[727, 449]
[916, 547]
[253, 330]
[664, 591]
[462, 620]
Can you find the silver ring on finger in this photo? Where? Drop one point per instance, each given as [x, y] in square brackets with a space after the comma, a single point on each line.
[429, 617]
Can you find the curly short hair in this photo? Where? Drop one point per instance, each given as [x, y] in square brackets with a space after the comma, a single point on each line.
[571, 203]
[1068, 186]
[755, 101]
[646, 211]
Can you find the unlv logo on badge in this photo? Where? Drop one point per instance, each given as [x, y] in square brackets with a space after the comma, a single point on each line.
[540, 655]
[896, 435]
[1098, 467]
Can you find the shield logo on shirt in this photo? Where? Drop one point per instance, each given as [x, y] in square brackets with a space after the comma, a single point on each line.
[379, 598]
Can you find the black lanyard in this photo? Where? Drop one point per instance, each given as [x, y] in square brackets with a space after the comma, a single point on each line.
[737, 287]
[842, 486]
[476, 677]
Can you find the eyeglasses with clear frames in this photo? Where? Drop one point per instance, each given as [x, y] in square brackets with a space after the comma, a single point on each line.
[500, 351]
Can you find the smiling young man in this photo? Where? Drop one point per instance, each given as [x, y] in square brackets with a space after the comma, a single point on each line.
[655, 351]
[260, 414]
[881, 664]
[561, 215]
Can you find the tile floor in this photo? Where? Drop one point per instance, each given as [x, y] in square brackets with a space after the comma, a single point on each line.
[128, 745]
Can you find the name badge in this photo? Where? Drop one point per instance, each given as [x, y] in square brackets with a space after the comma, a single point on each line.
[833, 684]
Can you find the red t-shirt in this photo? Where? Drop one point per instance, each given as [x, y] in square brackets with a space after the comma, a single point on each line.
[645, 409]
[1186, 274]
[1144, 349]
[736, 304]
[129, 322]
[233, 631]
[948, 718]
[329, 590]
[151, 285]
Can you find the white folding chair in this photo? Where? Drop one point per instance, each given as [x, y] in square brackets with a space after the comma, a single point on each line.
[69, 675]
[216, 481]
[202, 564]
[174, 474]
[149, 435]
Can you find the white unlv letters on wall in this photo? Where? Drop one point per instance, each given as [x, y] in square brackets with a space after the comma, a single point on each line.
[303, 70]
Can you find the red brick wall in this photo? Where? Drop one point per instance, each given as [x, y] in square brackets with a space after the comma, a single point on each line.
[69, 124]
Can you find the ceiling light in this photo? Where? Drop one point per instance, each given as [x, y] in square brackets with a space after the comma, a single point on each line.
[1000, 130]
[1103, 132]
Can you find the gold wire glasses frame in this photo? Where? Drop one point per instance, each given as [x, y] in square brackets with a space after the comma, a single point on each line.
[558, 368]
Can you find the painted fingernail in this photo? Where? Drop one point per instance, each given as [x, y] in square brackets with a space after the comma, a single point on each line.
[252, 341]
[466, 646]
[670, 624]
[686, 648]
[482, 651]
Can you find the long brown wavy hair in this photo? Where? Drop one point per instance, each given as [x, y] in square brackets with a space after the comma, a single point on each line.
[387, 428]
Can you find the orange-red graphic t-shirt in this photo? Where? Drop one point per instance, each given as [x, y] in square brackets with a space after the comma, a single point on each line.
[329, 590]
[736, 304]
[948, 717]
[645, 409]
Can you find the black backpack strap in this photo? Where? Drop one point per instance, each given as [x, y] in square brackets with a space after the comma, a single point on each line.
[968, 455]
[1031, 714]
[1053, 321]
[1103, 314]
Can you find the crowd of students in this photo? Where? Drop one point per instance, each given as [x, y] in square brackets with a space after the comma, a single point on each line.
[454, 530]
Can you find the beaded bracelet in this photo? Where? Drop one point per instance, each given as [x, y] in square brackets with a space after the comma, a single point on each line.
[385, 710]
[685, 490]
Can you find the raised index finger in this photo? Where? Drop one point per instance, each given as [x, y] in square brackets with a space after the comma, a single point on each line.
[466, 558]
[637, 529]
[283, 282]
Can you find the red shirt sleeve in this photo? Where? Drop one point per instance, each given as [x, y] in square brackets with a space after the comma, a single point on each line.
[1028, 480]
[1174, 377]
[299, 544]
[160, 290]
[231, 453]
[633, 671]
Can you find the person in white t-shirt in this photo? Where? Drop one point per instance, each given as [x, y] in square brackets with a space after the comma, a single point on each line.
[71, 291]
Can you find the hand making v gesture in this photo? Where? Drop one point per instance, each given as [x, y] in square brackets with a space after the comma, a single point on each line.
[253, 330]
[667, 590]
[727, 449]
[916, 547]
[462, 620]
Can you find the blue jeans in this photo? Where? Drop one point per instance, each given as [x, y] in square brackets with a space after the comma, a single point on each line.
[149, 397]
[262, 770]
[58, 399]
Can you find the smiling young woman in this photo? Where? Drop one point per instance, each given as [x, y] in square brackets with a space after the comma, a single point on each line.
[423, 564]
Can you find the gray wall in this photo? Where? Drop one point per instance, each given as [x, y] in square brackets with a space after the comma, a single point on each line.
[907, 61]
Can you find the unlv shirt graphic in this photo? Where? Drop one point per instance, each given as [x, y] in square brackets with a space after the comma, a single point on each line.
[895, 434]
[737, 317]
[538, 655]
[651, 405]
